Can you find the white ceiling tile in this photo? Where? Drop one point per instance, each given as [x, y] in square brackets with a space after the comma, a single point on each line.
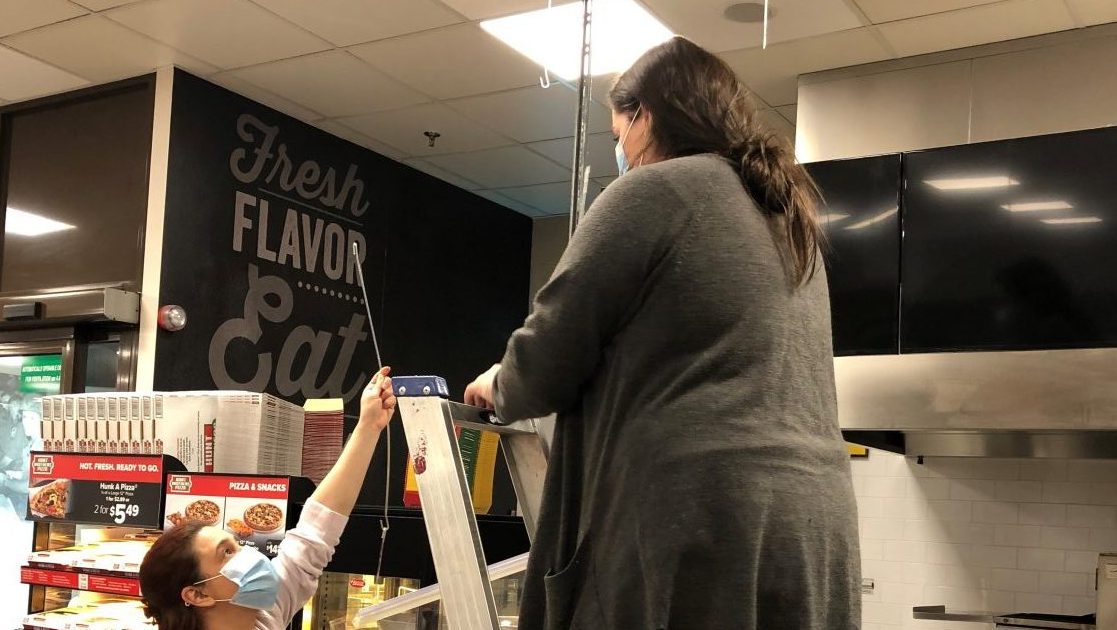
[334, 83]
[788, 111]
[101, 5]
[21, 15]
[260, 95]
[549, 199]
[441, 173]
[484, 9]
[773, 73]
[101, 50]
[226, 33]
[532, 113]
[599, 152]
[511, 204]
[450, 62]
[356, 137]
[703, 21]
[348, 22]
[404, 128]
[978, 25]
[773, 122]
[879, 11]
[22, 77]
[503, 168]
[1092, 12]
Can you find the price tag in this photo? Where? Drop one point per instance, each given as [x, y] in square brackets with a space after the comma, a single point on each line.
[271, 548]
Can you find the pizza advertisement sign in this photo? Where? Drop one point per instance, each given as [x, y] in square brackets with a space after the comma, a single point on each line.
[100, 489]
[252, 508]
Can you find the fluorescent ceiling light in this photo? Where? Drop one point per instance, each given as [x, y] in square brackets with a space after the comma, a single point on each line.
[873, 220]
[971, 183]
[27, 224]
[833, 217]
[1037, 206]
[1072, 221]
[622, 31]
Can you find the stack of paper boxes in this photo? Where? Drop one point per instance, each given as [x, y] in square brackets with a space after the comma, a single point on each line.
[221, 431]
[323, 436]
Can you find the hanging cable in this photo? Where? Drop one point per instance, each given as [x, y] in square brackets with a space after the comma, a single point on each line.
[764, 43]
[384, 523]
[545, 78]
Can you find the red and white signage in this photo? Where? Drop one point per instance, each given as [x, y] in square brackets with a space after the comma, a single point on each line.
[87, 467]
[247, 487]
[83, 581]
[250, 507]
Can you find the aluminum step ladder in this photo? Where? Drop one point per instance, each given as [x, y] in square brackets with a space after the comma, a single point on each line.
[429, 419]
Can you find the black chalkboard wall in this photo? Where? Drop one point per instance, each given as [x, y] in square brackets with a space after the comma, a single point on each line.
[260, 212]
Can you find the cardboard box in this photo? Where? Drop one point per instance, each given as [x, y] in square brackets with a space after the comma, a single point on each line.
[232, 432]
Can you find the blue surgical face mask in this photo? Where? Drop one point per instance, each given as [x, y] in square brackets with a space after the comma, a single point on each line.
[622, 159]
[255, 577]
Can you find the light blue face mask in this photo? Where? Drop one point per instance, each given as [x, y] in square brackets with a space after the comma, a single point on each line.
[622, 159]
[255, 577]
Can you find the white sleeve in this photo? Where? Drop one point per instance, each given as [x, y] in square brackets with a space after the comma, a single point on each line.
[304, 552]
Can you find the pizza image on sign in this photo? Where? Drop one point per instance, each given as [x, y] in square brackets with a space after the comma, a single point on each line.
[264, 517]
[203, 510]
[51, 500]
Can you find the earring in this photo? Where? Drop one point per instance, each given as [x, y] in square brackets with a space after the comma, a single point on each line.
[187, 604]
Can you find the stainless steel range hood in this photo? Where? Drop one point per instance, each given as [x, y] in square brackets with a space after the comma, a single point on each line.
[1050, 403]
[70, 305]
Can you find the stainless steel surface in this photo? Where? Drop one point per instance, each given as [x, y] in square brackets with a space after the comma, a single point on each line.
[1050, 389]
[448, 511]
[1004, 620]
[404, 603]
[1107, 590]
[940, 613]
[957, 397]
[122, 306]
[1043, 622]
[1039, 444]
[95, 303]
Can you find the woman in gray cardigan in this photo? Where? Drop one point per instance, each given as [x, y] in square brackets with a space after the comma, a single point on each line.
[698, 478]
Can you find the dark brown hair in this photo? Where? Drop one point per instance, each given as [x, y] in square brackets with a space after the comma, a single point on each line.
[698, 105]
[170, 566]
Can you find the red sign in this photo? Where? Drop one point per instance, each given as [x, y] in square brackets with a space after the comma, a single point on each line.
[86, 467]
[42, 465]
[229, 486]
[179, 484]
[81, 581]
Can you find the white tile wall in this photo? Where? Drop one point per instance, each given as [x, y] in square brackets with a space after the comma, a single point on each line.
[981, 534]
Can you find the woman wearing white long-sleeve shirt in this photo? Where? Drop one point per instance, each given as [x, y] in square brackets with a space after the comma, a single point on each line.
[196, 577]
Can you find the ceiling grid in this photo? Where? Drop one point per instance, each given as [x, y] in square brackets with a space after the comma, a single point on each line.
[380, 72]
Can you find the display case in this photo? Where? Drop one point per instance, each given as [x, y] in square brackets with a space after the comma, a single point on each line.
[359, 601]
[349, 585]
[95, 516]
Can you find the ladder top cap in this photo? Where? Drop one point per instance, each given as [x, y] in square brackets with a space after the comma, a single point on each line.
[420, 386]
